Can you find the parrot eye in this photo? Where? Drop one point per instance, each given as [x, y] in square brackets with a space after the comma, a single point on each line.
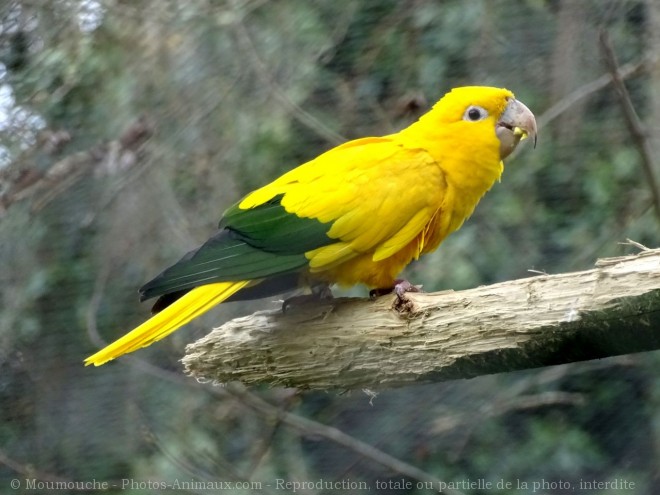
[475, 114]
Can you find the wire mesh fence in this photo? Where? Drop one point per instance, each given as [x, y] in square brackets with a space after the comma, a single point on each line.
[126, 128]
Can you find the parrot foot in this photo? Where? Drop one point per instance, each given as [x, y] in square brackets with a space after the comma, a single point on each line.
[319, 293]
[402, 304]
[401, 286]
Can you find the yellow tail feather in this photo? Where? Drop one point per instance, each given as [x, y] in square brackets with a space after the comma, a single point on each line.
[177, 314]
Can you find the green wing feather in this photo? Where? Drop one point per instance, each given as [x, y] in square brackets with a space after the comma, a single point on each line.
[269, 227]
[256, 243]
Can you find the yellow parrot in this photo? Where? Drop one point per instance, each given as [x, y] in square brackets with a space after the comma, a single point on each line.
[358, 213]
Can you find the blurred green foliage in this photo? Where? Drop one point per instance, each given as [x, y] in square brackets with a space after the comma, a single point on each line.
[233, 93]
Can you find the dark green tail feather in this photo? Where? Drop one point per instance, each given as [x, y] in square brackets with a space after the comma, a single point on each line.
[271, 286]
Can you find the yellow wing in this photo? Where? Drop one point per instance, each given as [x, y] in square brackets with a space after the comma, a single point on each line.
[376, 194]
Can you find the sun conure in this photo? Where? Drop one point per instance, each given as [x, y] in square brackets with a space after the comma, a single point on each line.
[358, 213]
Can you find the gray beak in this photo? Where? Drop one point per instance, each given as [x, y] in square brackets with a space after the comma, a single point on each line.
[516, 123]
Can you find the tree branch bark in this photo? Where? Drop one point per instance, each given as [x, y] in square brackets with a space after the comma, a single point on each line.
[544, 320]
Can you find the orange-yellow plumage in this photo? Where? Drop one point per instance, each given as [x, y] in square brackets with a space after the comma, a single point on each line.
[358, 213]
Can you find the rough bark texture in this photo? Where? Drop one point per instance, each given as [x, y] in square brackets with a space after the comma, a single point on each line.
[355, 343]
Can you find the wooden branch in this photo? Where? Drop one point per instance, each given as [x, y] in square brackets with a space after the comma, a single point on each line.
[358, 343]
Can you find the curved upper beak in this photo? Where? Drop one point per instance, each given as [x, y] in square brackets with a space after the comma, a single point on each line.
[516, 123]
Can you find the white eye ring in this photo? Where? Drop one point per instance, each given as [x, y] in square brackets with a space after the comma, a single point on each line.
[475, 113]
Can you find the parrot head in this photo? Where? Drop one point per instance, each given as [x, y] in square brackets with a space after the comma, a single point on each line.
[480, 110]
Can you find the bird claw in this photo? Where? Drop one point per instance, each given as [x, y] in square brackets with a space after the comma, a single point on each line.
[401, 286]
[402, 304]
